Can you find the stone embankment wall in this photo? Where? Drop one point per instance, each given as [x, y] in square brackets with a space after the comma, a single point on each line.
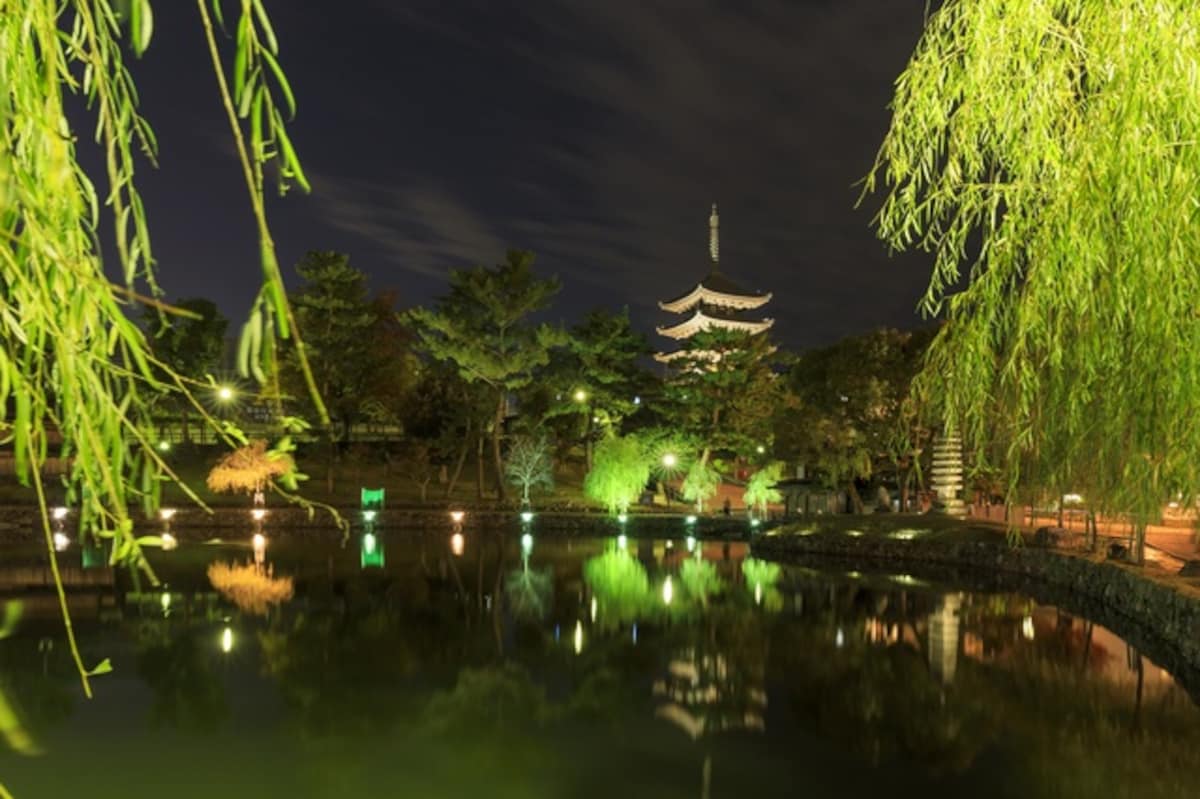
[22, 524]
[1165, 610]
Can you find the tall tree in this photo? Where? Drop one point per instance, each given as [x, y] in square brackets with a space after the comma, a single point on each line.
[191, 345]
[482, 326]
[848, 419]
[354, 342]
[597, 378]
[724, 391]
[1057, 147]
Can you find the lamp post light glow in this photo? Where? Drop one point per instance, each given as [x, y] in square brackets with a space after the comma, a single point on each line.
[670, 460]
[164, 446]
[526, 516]
[456, 516]
[225, 394]
[258, 514]
[580, 395]
[690, 520]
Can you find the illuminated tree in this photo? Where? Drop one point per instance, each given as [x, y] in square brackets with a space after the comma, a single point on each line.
[482, 328]
[619, 474]
[530, 465]
[760, 489]
[1055, 147]
[73, 361]
[700, 484]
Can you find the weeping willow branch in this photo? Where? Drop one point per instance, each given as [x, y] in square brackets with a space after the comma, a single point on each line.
[1045, 154]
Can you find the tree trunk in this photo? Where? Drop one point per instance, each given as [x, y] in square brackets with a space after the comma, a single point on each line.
[1061, 501]
[497, 461]
[458, 465]
[855, 499]
[479, 467]
[906, 475]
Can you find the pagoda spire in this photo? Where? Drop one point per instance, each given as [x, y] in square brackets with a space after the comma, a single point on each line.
[713, 245]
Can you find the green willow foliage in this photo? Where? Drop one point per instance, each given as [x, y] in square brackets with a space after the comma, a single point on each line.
[1052, 145]
[76, 374]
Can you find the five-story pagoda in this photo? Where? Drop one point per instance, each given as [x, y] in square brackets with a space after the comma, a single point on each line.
[716, 301]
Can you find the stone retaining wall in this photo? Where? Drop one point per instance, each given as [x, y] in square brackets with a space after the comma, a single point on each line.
[1116, 595]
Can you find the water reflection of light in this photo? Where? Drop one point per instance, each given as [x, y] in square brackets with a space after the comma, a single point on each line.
[169, 542]
[854, 533]
[259, 543]
[456, 516]
[908, 534]
[691, 543]
[527, 516]
[668, 590]
[165, 601]
[595, 607]
[1027, 628]
[840, 638]
[166, 514]
[369, 543]
[691, 519]
[622, 541]
[369, 516]
[578, 637]
[457, 544]
[227, 640]
[622, 518]
[258, 514]
[758, 593]
[61, 542]
[526, 543]
[635, 632]
[59, 513]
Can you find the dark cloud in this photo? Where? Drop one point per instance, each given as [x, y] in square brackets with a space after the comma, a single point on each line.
[596, 134]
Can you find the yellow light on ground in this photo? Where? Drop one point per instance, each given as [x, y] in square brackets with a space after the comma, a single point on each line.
[578, 637]
[227, 640]
[456, 516]
[669, 460]
[61, 542]
[457, 544]
[668, 591]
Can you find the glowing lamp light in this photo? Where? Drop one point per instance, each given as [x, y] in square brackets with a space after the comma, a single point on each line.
[457, 544]
[580, 395]
[578, 637]
[637, 400]
[668, 591]
[526, 543]
[456, 516]
[755, 522]
[854, 533]
[690, 520]
[166, 514]
[1027, 628]
[761, 449]
[169, 542]
[840, 639]
[527, 516]
[61, 542]
[594, 609]
[669, 460]
[622, 541]
[59, 513]
[165, 601]
[164, 446]
[225, 393]
[369, 515]
[258, 514]
[227, 640]
[622, 518]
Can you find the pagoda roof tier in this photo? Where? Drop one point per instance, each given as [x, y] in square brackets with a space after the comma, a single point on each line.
[717, 290]
[702, 320]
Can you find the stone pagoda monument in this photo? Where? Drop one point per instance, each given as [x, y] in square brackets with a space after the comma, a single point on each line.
[947, 474]
[716, 301]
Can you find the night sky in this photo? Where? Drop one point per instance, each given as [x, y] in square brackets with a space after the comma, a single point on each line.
[595, 133]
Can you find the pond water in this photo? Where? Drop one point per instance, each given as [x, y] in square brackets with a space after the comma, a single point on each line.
[429, 666]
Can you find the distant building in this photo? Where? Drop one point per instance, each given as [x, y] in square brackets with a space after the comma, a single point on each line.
[716, 301]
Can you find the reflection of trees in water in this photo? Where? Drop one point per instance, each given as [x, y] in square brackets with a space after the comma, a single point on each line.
[179, 663]
[253, 587]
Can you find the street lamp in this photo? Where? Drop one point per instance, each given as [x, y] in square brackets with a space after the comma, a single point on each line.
[225, 393]
[580, 395]
[669, 460]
